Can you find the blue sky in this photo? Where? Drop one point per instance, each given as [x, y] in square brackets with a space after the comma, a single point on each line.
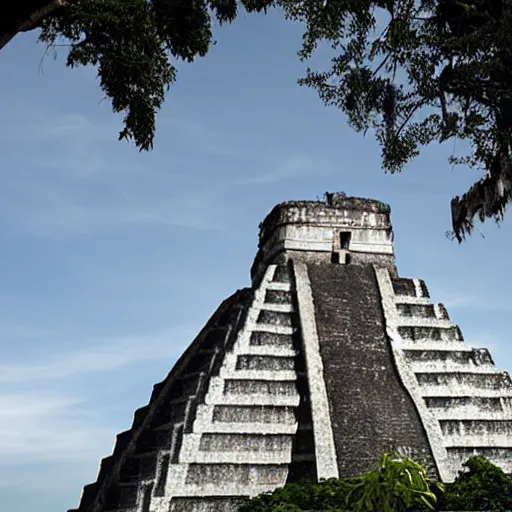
[112, 260]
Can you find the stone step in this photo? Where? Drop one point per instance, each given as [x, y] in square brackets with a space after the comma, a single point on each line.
[227, 373]
[450, 405]
[476, 441]
[405, 299]
[227, 490]
[435, 345]
[450, 358]
[249, 419]
[269, 350]
[229, 476]
[463, 391]
[253, 399]
[238, 457]
[244, 442]
[416, 311]
[404, 286]
[257, 387]
[278, 297]
[277, 308]
[270, 339]
[265, 363]
[276, 318]
[236, 448]
[248, 428]
[253, 414]
[456, 356]
[426, 323]
[436, 366]
[476, 380]
[482, 428]
[234, 442]
[427, 333]
[205, 504]
[276, 285]
[472, 415]
[273, 329]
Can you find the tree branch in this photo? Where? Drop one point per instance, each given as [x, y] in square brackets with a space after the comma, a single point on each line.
[30, 22]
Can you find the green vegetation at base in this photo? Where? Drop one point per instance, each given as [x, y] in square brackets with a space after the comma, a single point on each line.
[397, 484]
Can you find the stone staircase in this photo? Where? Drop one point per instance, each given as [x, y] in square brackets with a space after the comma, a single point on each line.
[467, 402]
[241, 441]
[222, 425]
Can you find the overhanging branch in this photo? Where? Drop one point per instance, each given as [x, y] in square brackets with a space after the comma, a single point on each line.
[25, 19]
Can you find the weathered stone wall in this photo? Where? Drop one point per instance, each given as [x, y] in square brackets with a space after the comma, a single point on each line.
[348, 212]
[371, 411]
[304, 231]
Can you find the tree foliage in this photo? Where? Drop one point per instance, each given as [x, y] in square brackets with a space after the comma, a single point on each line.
[435, 70]
[412, 71]
[134, 44]
[397, 484]
[483, 486]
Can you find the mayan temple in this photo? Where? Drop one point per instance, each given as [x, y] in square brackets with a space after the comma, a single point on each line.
[329, 360]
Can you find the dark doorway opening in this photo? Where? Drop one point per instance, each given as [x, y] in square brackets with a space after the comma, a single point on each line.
[345, 239]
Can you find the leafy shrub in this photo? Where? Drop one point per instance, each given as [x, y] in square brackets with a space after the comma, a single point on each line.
[398, 484]
[325, 495]
[483, 486]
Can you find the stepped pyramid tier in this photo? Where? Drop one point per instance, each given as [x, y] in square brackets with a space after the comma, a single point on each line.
[327, 361]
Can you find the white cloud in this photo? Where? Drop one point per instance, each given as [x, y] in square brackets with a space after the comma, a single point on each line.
[49, 426]
[46, 417]
[99, 356]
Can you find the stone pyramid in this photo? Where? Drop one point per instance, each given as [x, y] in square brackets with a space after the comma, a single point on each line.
[329, 360]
